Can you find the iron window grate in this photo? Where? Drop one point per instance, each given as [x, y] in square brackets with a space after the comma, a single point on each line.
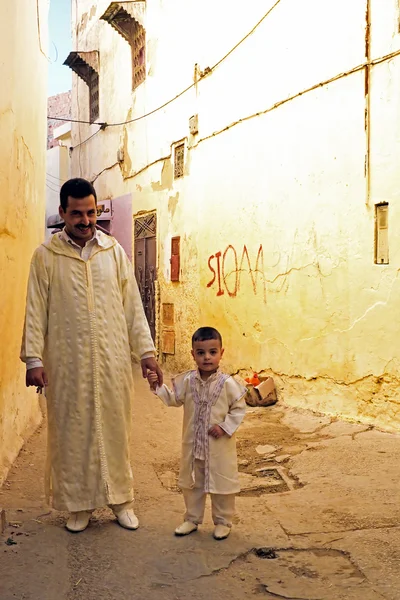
[179, 161]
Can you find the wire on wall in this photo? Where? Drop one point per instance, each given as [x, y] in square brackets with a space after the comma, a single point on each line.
[324, 83]
[103, 126]
[189, 87]
[276, 105]
[39, 31]
[53, 189]
[55, 178]
[69, 120]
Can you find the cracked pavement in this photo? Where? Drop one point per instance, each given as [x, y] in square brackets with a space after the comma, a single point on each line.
[320, 499]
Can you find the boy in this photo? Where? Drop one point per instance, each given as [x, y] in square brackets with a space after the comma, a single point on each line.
[214, 407]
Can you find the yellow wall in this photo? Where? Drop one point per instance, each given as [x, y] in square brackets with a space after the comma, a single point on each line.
[274, 173]
[22, 201]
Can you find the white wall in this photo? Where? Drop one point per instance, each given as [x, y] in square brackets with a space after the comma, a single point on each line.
[275, 164]
[57, 171]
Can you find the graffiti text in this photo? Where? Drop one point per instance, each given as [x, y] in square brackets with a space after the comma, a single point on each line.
[230, 268]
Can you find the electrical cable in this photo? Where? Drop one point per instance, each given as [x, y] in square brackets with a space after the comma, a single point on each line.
[192, 85]
[69, 120]
[53, 183]
[54, 177]
[39, 32]
[56, 49]
[87, 139]
[51, 188]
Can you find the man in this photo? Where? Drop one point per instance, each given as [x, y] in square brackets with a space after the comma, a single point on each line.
[84, 325]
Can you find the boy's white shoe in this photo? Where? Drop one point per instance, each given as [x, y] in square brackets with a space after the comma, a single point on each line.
[186, 528]
[128, 519]
[78, 521]
[221, 532]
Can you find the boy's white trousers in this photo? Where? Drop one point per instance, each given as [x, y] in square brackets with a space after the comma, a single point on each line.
[222, 505]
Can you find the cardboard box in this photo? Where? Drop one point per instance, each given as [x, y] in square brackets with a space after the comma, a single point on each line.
[263, 394]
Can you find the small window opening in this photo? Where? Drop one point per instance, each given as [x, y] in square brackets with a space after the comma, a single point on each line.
[175, 258]
[382, 234]
[179, 161]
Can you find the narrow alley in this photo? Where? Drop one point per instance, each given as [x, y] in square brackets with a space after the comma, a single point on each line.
[221, 166]
[318, 519]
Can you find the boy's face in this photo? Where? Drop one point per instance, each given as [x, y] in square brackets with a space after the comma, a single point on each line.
[207, 355]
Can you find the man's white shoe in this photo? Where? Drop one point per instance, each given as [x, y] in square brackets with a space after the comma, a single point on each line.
[186, 528]
[78, 521]
[128, 519]
[221, 532]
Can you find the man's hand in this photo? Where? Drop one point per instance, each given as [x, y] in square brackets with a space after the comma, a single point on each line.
[36, 377]
[216, 431]
[150, 364]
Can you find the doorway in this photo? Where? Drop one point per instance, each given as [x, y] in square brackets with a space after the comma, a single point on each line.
[146, 265]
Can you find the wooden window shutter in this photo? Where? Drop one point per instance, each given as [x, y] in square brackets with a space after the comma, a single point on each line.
[175, 258]
[94, 96]
[138, 45]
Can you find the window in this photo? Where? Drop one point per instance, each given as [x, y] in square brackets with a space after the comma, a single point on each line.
[179, 160]
[138, 56]
[94, 96]
[381, 234]
[175, 258]
[126, 18]
[86, 66]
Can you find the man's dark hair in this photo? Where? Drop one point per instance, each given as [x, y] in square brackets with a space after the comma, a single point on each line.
[76, 188]
[206, 333]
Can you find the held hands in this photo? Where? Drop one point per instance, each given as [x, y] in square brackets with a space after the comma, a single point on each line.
[216, 431]
[152, 378]
[36, 377]
[150, 365]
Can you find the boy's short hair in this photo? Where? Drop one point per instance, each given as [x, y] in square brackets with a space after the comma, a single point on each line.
[203, 334]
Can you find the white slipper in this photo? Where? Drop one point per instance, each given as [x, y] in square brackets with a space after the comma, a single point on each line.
[186, 528]
[78, 521]
[221, 532]
[128, 519]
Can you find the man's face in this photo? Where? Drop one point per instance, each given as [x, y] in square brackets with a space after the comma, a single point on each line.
[80, 217]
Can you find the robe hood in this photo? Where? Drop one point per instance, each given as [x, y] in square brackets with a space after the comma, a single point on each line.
[58, 246]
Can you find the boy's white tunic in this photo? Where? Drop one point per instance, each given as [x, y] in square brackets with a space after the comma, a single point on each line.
[217, 401]
[85, 321]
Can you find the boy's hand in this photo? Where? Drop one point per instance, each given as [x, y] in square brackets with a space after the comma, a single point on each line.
[150, 364]
[152, 378]
[216, 431]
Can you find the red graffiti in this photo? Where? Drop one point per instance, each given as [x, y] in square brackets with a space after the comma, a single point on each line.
[228, 271]
[232, 293]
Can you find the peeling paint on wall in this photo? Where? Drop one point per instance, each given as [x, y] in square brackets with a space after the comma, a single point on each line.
[172, 204]
[167, 178]
[126, 165]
